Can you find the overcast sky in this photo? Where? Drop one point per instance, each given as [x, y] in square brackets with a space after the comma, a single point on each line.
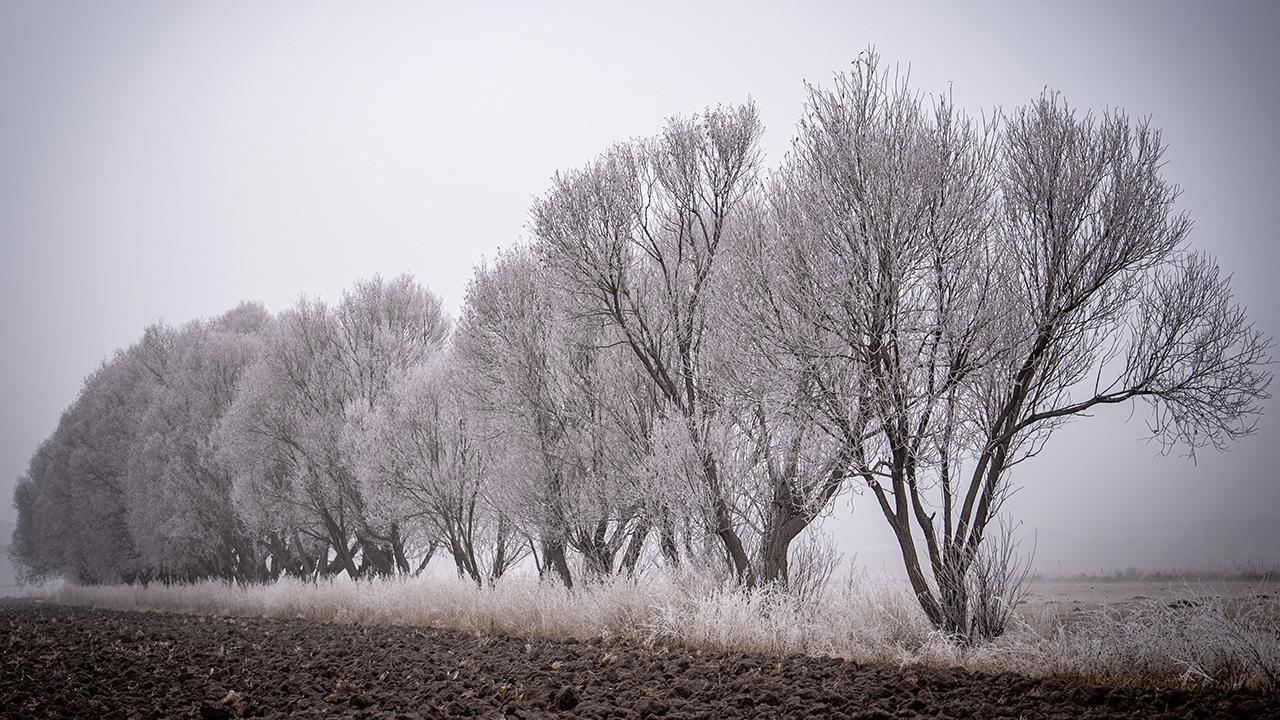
[164, 161]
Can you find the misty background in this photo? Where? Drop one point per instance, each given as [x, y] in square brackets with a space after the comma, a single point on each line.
[163, 161]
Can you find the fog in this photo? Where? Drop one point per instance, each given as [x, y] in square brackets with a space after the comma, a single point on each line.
[166, 161]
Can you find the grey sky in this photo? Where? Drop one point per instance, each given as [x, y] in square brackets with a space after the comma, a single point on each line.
[166, 160]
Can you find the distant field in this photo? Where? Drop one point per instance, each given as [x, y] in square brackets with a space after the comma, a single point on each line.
[1091, 593]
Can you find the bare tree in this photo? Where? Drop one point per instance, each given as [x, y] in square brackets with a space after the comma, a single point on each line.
[951, 296]
[180, 512]
[75, 492]
[636, 237]
[556, 407]
[284, 433]
[789, 467]
[421, 465]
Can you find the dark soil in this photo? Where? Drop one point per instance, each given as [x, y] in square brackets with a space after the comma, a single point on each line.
[76, 662]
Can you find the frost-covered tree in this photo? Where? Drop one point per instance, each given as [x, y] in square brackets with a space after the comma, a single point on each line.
[560, 417]
[283, 435]
[952, 294]
[279, 438]
[423, 466]
[75, 490]
[39, 537]
[180, 513]
[785, 467]
[635, 237]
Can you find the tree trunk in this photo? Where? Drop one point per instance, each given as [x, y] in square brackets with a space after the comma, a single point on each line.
[667, 541]
[553, 555]
[309, 566]
[538, 563]
[597, 559]
[462, 561]
[740, 563]
[397, 550]
[635, 545]
[345, 556]
[282, 560]
[774, 551]
[375, 557]
[911, 560]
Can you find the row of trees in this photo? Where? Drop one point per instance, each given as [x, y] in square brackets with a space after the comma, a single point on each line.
[688, 363]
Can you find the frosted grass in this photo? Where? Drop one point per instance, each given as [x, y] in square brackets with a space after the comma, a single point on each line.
[1192, 639]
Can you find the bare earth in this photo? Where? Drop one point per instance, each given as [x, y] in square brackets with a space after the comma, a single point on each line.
[58, 661]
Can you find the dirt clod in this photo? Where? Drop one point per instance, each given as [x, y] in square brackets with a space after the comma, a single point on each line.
[567, 698]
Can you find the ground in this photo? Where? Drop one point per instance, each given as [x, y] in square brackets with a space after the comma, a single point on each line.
[1092, 593]
[58, 661]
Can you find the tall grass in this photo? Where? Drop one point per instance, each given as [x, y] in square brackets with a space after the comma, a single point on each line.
[1190, 640]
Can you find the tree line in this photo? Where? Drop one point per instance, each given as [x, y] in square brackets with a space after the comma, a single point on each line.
[688, 362]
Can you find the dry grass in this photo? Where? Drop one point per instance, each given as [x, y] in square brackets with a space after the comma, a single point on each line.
[1190, 640]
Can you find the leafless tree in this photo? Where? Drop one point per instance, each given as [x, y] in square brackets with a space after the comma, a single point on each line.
[636, 237]
[953, 294]
[283, 435]
[73, 500]
[421, 465]
[555, 409]
[180, 513]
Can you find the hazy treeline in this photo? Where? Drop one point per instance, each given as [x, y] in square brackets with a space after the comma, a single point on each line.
[689, 361]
